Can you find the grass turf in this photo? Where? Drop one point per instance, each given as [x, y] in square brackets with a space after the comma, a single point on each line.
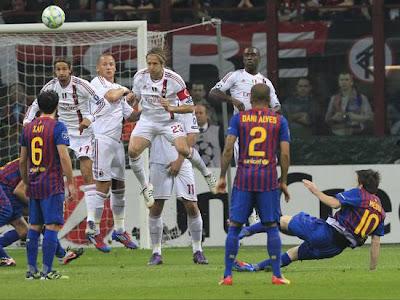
[124, 274]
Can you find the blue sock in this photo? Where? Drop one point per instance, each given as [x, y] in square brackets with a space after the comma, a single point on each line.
[231, 249]
[32, 241]
[285, 260]
[60, 251]
[49, 247]
[257, 228]
[274, 249]
[265, 263]
[8, 238]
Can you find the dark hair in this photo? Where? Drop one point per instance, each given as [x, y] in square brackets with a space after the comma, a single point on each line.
[260, 93]
[63, 60]
[369, 179]
[48, 101]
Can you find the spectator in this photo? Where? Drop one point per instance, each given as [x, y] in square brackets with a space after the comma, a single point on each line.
[19, 13]
[302, 110]
[198, 93]
[210, 139]
[349, 111]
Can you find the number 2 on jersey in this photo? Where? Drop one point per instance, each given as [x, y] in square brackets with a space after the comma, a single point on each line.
[366, 222]
[259, 140]
[36, 149]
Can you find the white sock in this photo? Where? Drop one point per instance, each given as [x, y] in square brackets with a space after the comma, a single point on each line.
[156, 229]
[196, 231]
[100, 198]
[198, 162]
[90, 200]
[118, 209]
[137, 167]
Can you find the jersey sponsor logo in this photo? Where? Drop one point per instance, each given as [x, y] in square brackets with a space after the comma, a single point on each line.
[68, 106]
[259, 161]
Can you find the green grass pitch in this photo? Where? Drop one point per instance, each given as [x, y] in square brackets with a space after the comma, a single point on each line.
[124, 274]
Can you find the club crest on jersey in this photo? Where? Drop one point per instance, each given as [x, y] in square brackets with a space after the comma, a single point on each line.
[65, 135]
[154, 89]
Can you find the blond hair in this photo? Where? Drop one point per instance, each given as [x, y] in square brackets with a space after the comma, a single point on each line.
[160, 53]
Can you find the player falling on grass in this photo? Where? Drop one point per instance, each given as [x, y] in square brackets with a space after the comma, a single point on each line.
[44, 159]
[75, 97]
[162, 94]
[12, 201]
[169, 171]
[261, 133]
[239, 84]
[109, 154]
[360, 215]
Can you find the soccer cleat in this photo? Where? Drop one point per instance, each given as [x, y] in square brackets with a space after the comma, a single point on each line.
[155, 259]
[242, 266]
[211, 182]
[226, 281]
[32, 276]
[98, 242]
[71, 255]
[124, 239]
[280, 280]
[7, 262]
[148, 195]
[53, 275]
[244, 233]
[199, 258]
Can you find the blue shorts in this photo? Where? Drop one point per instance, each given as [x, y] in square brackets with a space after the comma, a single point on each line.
[267, 204]
[10, 206]
[47, 211]
[319, 241]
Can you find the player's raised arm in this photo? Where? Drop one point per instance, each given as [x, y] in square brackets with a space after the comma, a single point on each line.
[374, 252]
[324, 198]
[31, 112]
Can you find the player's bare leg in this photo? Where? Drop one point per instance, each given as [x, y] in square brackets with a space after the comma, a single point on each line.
[137, 144]
[195, 224]
[193, 155]
[118, 208]
[156, 230]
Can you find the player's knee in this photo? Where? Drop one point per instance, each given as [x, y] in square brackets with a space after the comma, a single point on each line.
[22, 231]
[191, 208]
[133, 152]
[284, 222]
[156, 210]
[54, 227]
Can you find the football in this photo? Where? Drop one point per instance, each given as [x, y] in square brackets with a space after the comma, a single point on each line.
[53, 16]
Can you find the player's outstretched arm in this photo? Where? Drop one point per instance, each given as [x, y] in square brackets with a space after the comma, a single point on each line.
[324, 198]
[181, 109]
[31, 112]
[218, 95]
[114, 95]
[374, 252]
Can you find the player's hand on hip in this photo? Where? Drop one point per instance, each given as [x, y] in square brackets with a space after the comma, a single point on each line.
[174, 167]
[221, 185]
[311, 186]
[238, 104]
[285, 191]
[84, 124]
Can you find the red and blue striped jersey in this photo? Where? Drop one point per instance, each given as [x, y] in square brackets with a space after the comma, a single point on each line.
[10, 175]
[41, 138]
[361, 214]
[260, 132]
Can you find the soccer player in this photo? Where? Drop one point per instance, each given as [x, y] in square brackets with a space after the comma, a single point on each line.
[12, 201]
[109, 158]
[43, 160]
[169, 171]
[261, 132]
[239, 84]
[75, 98]
[162, 94]
[360, 215]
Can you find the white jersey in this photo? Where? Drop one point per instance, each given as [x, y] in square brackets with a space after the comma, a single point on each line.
[162, 151]
[240, 82]
[171, 86]
[110, 122]
[75, 103]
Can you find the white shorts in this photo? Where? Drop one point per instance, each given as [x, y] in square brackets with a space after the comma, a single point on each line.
[164, 183]
[149, 130]
[82, 146]
[109, 159]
